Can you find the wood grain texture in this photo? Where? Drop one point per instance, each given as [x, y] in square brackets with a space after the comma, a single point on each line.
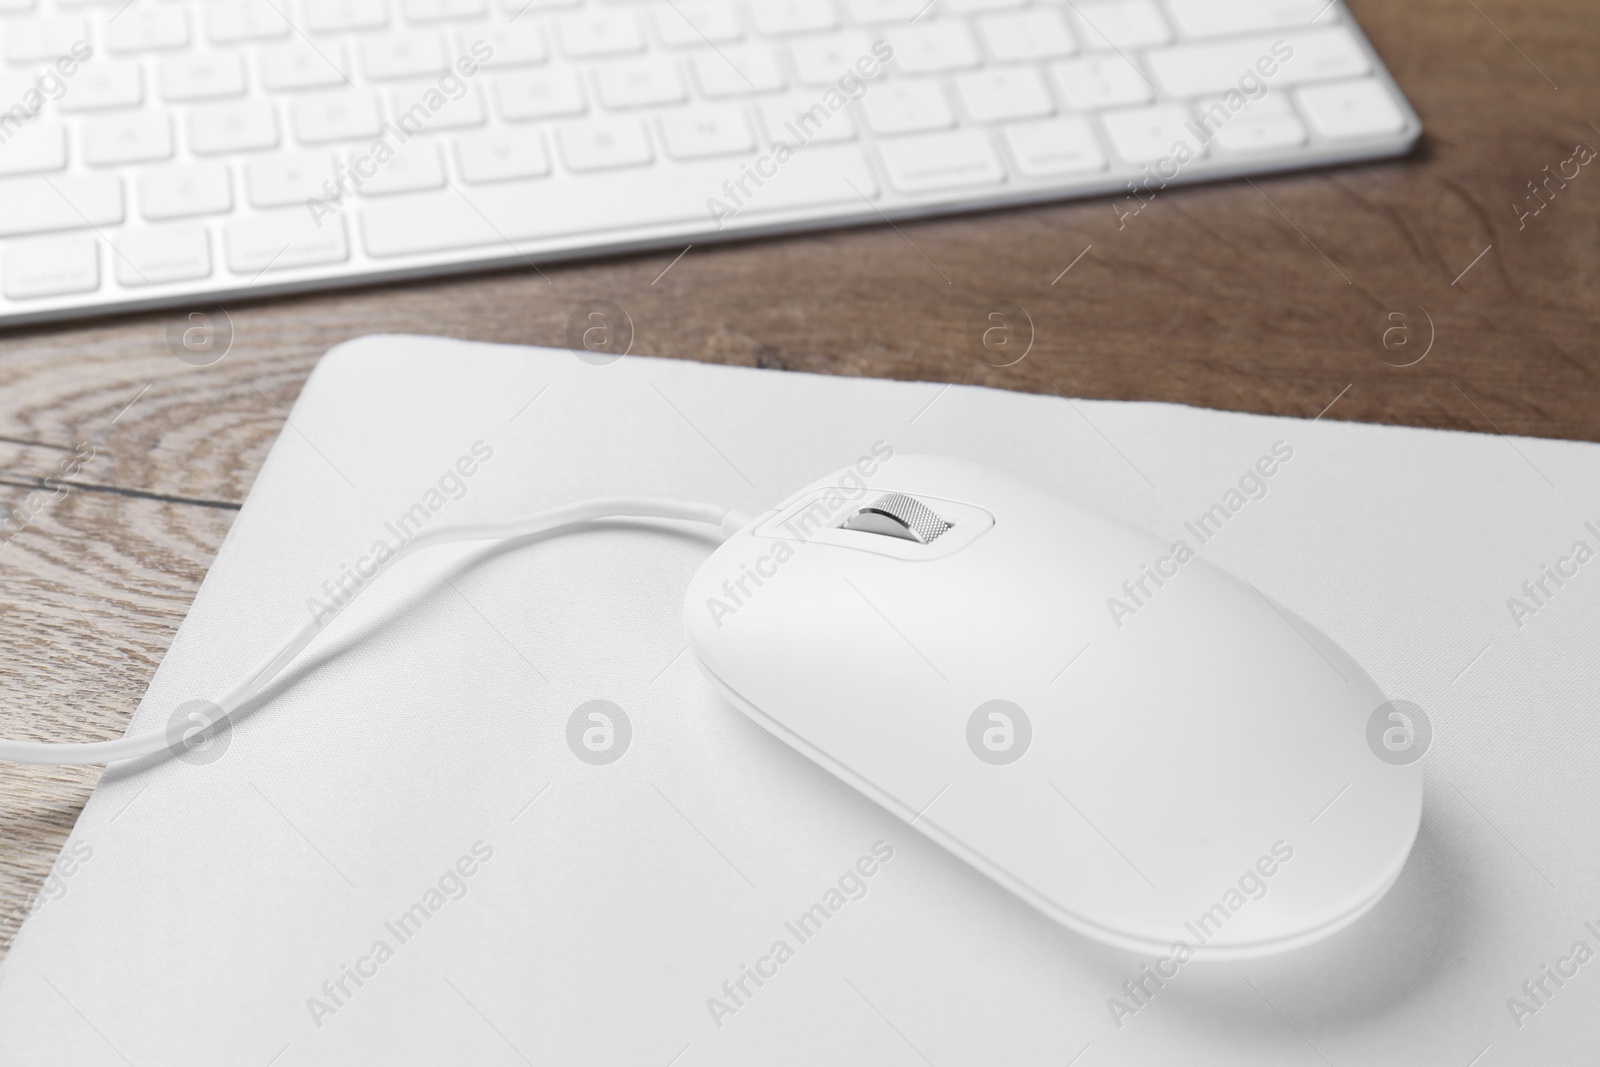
[1263, 297]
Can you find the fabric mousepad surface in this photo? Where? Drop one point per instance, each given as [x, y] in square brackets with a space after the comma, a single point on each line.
[420, 845]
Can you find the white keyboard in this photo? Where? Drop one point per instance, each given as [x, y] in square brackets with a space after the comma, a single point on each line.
[208, 151]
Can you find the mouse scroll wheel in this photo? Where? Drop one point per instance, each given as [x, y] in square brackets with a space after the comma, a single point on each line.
[898, 515]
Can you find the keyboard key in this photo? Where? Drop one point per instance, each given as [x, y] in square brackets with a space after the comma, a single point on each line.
[148, 29]
[878, 12]
[290, 178]
[1122, 24]
[825, 174]
[232, 21]
[299, 66]
[34, 148]
[907, 106]
[707, 130]
[1221, 18]
[1215, 111]
[52, 266]
[934, 161]
[737, 70]
[538, 95]
[202, 77]
[800, 119]
[691, 22]
[972, 7]
[515, 45]
[1098, 83]
[439, 222]
[413, 115]
[1052, 148]
[1002, 93]
[403, 55]
[341, 115]
[104, 85]
[282, 240]
[1244, 136]
[1147, 134]
[1351, 109]
[1203, 69]
[39, 205]
[599, 33]
[517, 8]
[43, 40]
[1320, 55]
[415, 166]
[215, 129]
[821, 60]
[1267, 122]
[1027, 36]
[135, 137]
[638, 83]
[14, 86]
[340, 16]
[546, 208]
[601, 144]
[933, 48]
[182, 192]
[439, 10]
[502, 155]
[162, 255]
[777, 18]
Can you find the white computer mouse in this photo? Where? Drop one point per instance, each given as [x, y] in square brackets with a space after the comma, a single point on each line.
[946, 638]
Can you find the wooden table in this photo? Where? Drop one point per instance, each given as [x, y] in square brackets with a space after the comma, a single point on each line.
[1274, 297]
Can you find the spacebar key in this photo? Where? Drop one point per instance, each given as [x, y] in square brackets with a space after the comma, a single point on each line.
[665, 195]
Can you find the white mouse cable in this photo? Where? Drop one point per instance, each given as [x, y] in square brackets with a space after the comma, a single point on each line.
[728, 520]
